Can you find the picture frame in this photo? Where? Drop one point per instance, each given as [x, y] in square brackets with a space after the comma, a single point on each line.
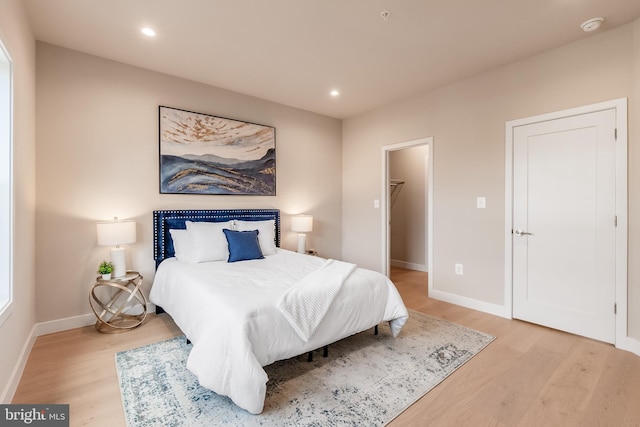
[206, 154]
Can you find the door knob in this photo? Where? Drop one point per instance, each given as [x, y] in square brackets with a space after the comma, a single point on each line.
[519, 232]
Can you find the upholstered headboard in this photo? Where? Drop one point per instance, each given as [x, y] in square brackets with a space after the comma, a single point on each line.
[165, 220]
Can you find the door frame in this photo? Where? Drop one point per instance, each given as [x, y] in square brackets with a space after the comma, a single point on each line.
[621, 196]
[385, 206]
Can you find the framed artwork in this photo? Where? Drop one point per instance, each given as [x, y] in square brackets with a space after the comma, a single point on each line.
[205, 154]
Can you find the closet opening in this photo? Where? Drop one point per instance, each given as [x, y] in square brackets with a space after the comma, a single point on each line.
[407, 194]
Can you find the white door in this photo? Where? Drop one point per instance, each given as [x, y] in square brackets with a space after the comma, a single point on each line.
[564, 241]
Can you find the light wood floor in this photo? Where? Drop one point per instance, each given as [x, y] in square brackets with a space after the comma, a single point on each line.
[529, 376]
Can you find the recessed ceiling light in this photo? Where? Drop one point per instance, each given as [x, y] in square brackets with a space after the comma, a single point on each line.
[591, 24]
[148, 32]
[334, 93]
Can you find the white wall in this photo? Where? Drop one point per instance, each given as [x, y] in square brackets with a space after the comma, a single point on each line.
[467, 121]
[98, 158]
[17, 37]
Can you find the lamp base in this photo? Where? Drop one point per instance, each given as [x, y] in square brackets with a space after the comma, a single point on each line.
[302, 243]
[118, 261]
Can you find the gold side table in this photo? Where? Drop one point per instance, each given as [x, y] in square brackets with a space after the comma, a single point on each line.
[118, 303]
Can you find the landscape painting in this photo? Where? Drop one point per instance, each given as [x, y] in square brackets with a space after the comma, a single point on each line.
[205, 154]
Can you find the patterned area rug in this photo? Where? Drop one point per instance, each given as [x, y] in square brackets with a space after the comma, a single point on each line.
[366, 380]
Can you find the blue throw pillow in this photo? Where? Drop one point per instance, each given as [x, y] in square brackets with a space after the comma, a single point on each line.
[243, 245]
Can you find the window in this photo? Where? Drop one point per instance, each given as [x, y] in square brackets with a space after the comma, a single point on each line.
[6, 174]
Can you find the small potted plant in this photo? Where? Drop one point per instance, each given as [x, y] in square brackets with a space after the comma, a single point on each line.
[105, 269]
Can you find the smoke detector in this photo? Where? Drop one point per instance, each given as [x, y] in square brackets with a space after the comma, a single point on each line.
[385, 15]
[592, 24]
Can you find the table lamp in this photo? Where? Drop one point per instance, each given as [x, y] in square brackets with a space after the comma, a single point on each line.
[302, 224]
[115, 233]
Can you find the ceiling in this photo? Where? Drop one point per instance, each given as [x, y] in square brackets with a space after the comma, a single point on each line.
[295, 52]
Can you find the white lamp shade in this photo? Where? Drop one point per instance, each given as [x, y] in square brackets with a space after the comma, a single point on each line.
[302, 223]
[116, 233]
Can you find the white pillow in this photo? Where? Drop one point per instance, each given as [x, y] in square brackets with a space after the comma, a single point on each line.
[208, 242]
[181, 244]
[266, 233]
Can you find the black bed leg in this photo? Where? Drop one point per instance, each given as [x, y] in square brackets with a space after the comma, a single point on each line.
[325, 353]
[375, 330]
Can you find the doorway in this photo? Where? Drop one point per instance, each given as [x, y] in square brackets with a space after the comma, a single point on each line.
[394, 187]
[566, 220]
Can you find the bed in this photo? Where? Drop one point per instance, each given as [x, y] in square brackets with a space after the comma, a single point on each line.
[248, 307]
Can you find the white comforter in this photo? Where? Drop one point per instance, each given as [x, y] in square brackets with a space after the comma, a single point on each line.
[229, 312]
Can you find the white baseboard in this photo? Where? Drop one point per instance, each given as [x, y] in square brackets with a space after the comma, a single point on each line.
[408, 265]
[486, 307]
[38, 329]
[80, 321]
[14, 378]
[60, 325]
[631, 345]
[45, 328]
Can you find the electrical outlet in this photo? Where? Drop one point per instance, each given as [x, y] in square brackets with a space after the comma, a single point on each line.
[459, 270]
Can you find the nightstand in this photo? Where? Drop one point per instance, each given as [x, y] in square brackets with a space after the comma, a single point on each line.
[118, 303]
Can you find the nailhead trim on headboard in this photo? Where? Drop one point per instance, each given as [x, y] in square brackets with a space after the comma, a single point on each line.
[161, 219]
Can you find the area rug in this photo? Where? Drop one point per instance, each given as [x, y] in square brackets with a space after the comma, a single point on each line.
[366, 380]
